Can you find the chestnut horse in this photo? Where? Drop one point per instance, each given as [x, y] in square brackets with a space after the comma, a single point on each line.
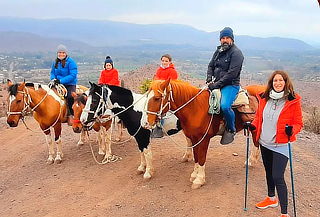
[197, 124]
[103, 136]
[49, 110]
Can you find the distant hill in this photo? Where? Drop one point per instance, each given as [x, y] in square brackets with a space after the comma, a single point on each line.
[29, 42]
[110, 33]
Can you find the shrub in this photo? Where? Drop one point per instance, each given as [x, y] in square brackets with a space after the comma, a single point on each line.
[145, 85]
[312, 123]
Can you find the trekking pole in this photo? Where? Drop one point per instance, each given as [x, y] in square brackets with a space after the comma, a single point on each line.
[246, 133]
[288, 131]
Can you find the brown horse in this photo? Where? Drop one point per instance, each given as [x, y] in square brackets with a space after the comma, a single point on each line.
[103, 129]
[49, 110]
[196, 123]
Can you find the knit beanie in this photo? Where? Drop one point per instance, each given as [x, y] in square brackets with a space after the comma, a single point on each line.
[227, 32]
[108, 60]
[62, 48]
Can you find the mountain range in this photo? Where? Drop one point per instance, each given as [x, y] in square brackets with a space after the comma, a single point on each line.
[33, 35]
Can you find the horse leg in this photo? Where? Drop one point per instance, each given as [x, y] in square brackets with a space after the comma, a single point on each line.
[102, 141]
[49, 141]
[188, 154]
[119, 131]
[202, 154]
[196, 164]
[254, 156]
[81, 138]
[57, 132]
[149, 167]
[142, 167]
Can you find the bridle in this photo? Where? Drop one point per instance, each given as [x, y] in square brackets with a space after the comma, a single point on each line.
[163, 105]
[26, 106]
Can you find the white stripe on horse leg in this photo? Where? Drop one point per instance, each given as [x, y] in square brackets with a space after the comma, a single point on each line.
[108, 143]
[201, 177]
[81, 139]
[59, 155]
[142, 166]
[101, 141]
[50, 148]
[194, 172]
[149, 168]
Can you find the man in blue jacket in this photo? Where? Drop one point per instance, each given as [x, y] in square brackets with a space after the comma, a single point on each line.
[225, 67]
[65, 71]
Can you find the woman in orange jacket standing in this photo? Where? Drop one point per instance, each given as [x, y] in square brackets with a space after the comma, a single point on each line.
[109, 75]
[279, 106]
[166, 69]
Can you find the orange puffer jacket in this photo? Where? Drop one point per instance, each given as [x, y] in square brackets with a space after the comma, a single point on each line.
[110, 77]
[291, 114]
[164, 74]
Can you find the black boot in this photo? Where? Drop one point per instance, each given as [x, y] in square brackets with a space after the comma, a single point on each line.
[228, 137]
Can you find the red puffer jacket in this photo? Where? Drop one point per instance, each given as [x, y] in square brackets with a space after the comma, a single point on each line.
[164, 74]
[291, 114]
[110, 77]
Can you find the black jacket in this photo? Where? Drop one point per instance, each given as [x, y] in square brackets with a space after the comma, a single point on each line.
[225, 67]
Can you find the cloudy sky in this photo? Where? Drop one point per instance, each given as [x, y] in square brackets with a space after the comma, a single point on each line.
[287, 18]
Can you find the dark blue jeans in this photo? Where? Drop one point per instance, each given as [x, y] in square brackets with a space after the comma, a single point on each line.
[228, 95]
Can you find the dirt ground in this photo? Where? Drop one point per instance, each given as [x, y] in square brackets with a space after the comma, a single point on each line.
[80, 187]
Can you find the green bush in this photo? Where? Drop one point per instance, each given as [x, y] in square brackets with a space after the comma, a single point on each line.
[145, 85]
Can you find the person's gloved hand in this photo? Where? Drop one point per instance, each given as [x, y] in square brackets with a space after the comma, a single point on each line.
[289, 130]
[249, 125]
[213, 86]
[53, 82]
[209, 79]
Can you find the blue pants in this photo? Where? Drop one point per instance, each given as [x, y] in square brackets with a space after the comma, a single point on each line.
[228, 95]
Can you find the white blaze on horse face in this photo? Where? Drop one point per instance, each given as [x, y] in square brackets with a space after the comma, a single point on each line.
[84, 114]
[11, 99]
[144, 118]
[53, 94]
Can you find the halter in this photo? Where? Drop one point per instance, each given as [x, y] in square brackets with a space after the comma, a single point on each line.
[27, 101]
[162, 105]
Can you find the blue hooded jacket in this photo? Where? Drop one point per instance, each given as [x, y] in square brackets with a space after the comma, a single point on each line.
[67, 74]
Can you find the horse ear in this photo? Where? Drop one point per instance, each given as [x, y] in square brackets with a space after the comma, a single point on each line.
[9, 82]
[74, 94]
[164, 84]
[90, 83]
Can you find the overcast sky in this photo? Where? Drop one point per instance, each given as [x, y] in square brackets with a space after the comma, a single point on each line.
[287, 18]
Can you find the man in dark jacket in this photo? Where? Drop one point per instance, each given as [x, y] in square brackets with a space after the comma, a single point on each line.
[225, 67]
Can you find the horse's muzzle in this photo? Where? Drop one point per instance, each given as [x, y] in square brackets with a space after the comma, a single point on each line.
[12, 123]
[77, 129]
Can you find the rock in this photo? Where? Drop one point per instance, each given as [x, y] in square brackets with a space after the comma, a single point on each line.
[235, 154]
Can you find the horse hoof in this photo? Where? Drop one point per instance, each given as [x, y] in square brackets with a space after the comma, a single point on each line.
[147, 176]
[196, 186]
[58, 161]
[79, 144]
[139, 172]
[50, 161]
[101, 152]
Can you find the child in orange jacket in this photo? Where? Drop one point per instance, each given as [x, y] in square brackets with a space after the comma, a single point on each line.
[109, 75]
[166, 69]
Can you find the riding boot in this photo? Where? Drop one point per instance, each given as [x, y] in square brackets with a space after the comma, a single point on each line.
[228, 137]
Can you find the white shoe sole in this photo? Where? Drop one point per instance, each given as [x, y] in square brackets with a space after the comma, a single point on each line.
[272, 206]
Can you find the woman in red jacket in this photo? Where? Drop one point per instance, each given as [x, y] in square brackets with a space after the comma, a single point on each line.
[166, 69]
[278, 106]
[109, 75]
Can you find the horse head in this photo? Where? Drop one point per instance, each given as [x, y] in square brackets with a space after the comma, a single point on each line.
[80, 100]
[16, 103]
[159, 102]
[95, 105]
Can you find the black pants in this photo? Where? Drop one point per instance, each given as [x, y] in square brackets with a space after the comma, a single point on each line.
[275, 165]
[70, 100]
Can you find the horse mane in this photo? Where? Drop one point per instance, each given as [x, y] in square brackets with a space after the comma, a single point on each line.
[81, 98]
[183, 88]
[120, 90]
[13, 89]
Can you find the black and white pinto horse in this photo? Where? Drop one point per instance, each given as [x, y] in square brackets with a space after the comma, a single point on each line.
[130, 108]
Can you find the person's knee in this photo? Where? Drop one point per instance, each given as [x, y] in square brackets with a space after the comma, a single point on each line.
[278, 178]
[225, 108]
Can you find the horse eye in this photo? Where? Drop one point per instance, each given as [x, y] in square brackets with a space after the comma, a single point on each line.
[19, 100]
